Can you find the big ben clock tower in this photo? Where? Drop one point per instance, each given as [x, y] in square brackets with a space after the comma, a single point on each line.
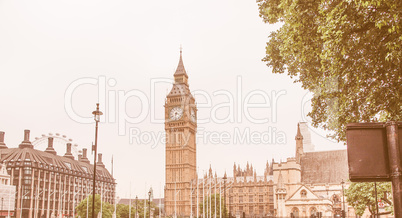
[180, 128]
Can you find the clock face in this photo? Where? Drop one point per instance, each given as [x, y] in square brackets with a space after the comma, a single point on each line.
[176, 113]
[192, 115]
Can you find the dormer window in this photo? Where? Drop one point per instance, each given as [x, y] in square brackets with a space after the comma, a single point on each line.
[303, 193]
[68, 165]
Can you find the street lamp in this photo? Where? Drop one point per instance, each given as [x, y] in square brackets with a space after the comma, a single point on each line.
[224, 191]
[343, 200]
[97, 115]
[149, 201]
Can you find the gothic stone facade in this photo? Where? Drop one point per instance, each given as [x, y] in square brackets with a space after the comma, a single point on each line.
[310, 183]
[305, 185]
[246, 193]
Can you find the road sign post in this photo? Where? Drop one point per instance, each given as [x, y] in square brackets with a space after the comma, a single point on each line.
[395, 166]
[374, 154]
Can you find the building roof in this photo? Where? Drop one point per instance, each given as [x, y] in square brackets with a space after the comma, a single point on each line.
[180, 89]
[324, 167]
[180, 67]
[49, 161]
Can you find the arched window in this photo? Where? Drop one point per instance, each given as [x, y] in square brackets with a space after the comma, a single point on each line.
[303, 193]
[295, 212]
[313, 212]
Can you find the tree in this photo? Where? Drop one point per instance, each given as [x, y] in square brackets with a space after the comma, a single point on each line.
[123, 210]
[107, 209]
[347, 53]
[361, 195]
[211, 199]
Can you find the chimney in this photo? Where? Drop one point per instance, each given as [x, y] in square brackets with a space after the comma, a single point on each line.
[26, 143]
[2, 144]
[100, 163]
[50, 148]
[84, 156]
[80, 157]
[68, 153]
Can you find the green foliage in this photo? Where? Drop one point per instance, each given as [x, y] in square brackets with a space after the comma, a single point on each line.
[107, 209]
[347, 53]
[211, 199]
[123, 210]
[361, 195]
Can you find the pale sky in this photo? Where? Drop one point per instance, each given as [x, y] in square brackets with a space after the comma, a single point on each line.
[131, 48]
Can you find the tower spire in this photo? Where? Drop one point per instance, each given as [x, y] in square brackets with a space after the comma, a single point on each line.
[299, 144]
[299, 136]
[180, 71]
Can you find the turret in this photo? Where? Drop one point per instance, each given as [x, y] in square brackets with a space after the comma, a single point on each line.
[210, 171]
[280, 192]
[299, 144]
[234, 170]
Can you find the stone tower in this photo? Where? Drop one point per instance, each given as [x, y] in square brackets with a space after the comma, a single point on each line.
[181, 149]
[299, 144]
[280, 193]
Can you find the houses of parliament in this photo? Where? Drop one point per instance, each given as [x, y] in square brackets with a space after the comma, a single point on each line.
[306, 185]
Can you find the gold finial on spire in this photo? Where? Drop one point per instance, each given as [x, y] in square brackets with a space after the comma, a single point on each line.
[181, 49]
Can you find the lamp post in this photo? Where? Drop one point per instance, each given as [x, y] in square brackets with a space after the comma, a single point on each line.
[97, 115]
[343, 200]
[149, 201]
[224, 192]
